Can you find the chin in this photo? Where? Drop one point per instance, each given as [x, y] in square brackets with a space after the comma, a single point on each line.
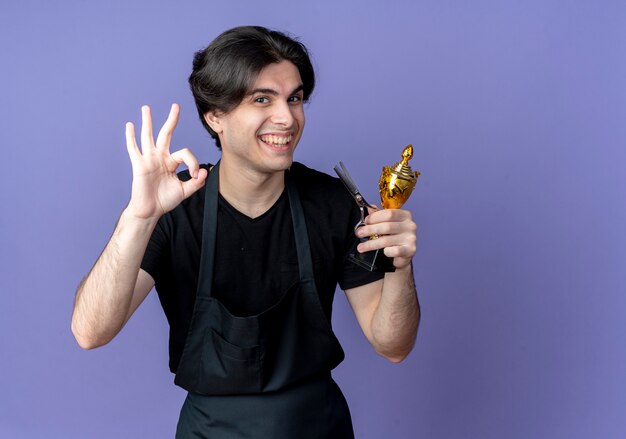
[280, 165]
[279, 162]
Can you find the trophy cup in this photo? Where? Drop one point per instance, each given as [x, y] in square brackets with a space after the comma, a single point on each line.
[396, 184]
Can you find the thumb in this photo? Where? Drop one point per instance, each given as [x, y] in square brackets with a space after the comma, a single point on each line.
[372, 208]
[193, 184]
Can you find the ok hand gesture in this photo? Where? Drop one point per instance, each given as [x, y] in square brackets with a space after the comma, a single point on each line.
[156, 188]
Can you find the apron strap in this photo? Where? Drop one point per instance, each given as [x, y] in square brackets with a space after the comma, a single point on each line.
[209, 233]
[305, 262]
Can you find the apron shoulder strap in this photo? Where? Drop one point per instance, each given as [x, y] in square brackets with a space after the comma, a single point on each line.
[305, 262]
[209, 232]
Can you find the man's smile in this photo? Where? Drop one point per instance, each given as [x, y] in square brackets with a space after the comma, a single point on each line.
[277, 141]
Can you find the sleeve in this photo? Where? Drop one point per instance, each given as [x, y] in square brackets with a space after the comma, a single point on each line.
[155, 260]
[351, 275]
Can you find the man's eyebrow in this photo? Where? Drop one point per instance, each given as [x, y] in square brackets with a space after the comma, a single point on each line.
[271, 91]
[297, 89]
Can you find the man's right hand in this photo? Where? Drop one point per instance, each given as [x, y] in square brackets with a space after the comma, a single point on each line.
[156, 188]
[116, 285]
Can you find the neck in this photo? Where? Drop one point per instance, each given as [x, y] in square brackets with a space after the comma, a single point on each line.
[251, 193]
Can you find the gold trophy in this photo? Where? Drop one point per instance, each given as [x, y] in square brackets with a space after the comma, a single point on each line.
[396, 184]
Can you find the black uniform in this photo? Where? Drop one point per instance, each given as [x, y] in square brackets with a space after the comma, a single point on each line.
[258, 346]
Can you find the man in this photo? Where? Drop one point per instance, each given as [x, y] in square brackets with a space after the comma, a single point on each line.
[246, 254]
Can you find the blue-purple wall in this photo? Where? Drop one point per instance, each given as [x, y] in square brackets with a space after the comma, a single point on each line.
[517, 111]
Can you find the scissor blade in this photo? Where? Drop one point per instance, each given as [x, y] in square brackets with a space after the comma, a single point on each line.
[344, 175]
[346, 179]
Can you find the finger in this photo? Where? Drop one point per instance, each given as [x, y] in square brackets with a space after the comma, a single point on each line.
[383, 215]
[405, 241]
[192, 185]
[131, 142]
[401, 254]
[401, 262]
[167, 130]
[387, 228]
[400, 251]
[147, 141]
[372, 208]
[186, 156]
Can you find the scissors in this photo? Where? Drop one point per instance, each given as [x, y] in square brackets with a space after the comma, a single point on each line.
[345, 178]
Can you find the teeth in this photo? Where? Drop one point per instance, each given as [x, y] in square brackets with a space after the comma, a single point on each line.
[276, 140]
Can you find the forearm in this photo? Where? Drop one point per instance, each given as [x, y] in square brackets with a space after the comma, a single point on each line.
[104, 296]
[396, 318]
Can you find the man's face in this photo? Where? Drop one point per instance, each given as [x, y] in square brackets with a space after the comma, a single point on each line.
[261, 133]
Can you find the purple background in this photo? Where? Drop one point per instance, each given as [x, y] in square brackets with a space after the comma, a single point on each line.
[517, 111]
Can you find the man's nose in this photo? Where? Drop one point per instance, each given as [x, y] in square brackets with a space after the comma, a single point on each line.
[283, 114]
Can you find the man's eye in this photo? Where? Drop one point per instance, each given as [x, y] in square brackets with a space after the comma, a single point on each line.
[295, 99]
[261, 100]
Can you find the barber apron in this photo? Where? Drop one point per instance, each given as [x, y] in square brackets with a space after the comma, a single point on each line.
[267, 375]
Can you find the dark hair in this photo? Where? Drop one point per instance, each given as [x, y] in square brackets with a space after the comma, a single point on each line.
[225, 71]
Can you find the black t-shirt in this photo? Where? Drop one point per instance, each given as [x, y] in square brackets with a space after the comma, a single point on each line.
[256, 259]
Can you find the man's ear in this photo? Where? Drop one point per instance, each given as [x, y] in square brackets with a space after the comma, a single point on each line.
[212, 118]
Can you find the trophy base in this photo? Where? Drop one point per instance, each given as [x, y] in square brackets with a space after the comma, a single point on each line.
[374, 260]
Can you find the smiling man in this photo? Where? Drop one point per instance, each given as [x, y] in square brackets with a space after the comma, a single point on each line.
[246, 255]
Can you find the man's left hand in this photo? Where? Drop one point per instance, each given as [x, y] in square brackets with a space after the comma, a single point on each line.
[397, 235]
